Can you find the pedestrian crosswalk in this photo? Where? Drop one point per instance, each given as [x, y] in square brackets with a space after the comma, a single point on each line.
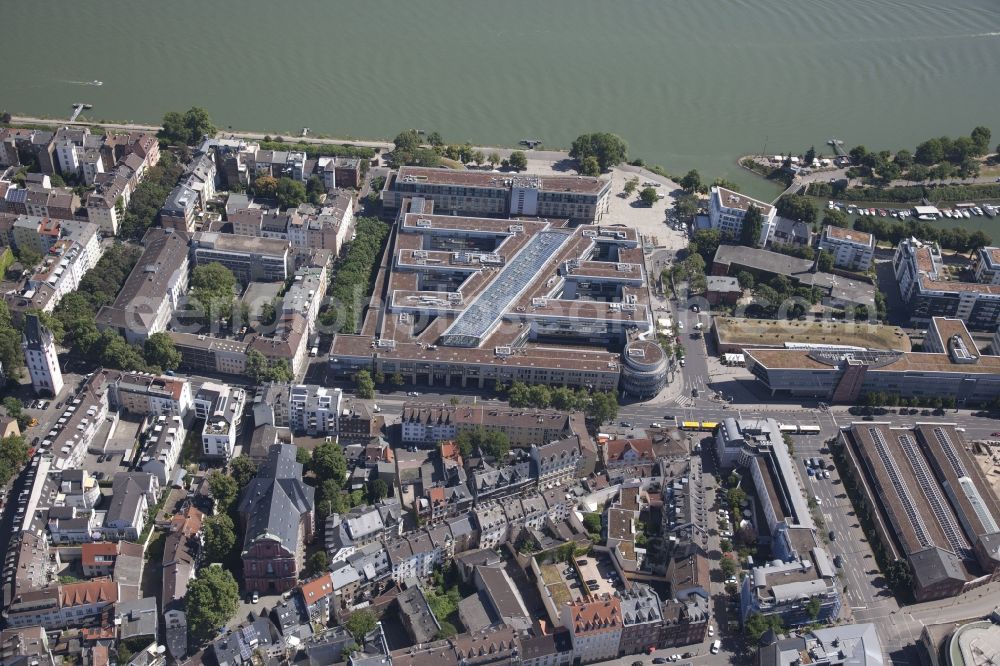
[684, 401]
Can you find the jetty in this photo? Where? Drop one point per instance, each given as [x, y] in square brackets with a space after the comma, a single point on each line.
[838, 147]
[78, 108]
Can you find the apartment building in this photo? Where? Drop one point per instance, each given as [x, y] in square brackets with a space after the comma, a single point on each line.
[63, 606]
[929, 291]
[221, 406]
[595, 627]
[164, 442]
[313, 410]
[556, 463]
[39, 347]
[430, 423]
[153, 289]
[726, 210]
[144, 393]
[852, 250]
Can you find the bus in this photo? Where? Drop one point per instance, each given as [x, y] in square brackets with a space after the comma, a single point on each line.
[809, 430]
[699, 426]
[789, 428]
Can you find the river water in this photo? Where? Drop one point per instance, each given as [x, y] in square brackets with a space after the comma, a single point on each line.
[689, 83]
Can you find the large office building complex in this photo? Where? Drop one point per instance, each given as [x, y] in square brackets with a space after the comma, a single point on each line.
[482, 301]
[951, 366]
[579, 198]
[940, 512]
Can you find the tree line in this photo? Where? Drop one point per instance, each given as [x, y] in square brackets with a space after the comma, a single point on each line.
[906, 194]
[353, 277]
[596, 405]
[894, 231]
[149, 197]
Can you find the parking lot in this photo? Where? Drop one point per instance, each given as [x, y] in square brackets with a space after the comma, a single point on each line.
[598, 570]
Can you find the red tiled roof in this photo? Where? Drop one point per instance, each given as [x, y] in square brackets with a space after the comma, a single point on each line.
[80, 594]
[316, 589]
[90, 551]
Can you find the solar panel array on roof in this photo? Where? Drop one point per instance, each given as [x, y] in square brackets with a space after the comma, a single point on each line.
[916, 521]
[469, 329]
[968, 487]
[928, 485]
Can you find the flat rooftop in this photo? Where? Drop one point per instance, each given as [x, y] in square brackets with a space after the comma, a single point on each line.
[773, 333]
[496, 180]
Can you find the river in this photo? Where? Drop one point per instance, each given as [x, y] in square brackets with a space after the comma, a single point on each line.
[689, 83]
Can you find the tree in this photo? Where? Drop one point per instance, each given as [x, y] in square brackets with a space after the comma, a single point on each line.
[478, 157]
[691, 182]
[302, 456]
[213, 598]
[603, 407]
[13, 456]
[539, 396]
[728, 565]
[447, 630]
[493, 159]
[243, 470]
[592, 522]
[220, 536]
[797, 207]
[224, 489]
[725, 546]
[825, 261]
[256, 366]
[836, 217]
[397, 379]
[364, 387]
[518, 395]
[518, 160]
[159, 350]
[757, 624]
[492, 442]
[685, 206]
[317, 563]
[858, 154]
[649, 196]
[409, 140]
[315, 189]
[813, 607]
[929, 152]
[903, 158]
[188, 128]
[290, 193]
[810, 155]
[213, 288]
[563, 398]
[631, 185]
[377, 490]
[265, 186]
[589, 166]
[434, 138]
[360, 624]
[752, 225]
[745, 279]
[704, 243]
[609, 149]
[328, 462]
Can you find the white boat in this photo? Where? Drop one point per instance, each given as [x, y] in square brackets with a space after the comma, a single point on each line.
[966, 214]
[977, 210]
[95, 82]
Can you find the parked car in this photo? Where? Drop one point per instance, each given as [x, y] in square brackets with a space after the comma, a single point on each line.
[255, 598]
[716, 646]
[833, 535]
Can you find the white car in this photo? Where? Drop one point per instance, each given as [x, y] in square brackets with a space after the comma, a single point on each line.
[255, 598]
[711, 631]
[715, 646]
[818, 501]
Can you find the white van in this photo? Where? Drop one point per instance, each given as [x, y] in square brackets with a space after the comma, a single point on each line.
[375, 408]
[715, 646]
